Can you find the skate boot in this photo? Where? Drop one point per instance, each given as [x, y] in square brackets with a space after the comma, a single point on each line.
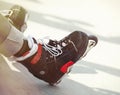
[17, 16]
[51, 61]
[81, 45]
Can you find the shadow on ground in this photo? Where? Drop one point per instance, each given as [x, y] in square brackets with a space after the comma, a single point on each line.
[23, 83]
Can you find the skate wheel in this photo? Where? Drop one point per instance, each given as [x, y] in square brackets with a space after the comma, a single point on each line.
[94, 39]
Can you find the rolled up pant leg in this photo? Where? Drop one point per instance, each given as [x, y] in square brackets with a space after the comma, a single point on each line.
[11, 39]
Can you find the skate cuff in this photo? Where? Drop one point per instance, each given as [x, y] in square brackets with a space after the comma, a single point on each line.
[28, 54]
[35, 49]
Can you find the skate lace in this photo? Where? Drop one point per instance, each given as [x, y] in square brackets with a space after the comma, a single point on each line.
[54, 50]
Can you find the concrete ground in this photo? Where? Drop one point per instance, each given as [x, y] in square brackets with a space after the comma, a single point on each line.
[97, 74]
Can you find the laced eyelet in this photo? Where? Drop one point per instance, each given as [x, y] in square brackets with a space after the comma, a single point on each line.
[63, 44]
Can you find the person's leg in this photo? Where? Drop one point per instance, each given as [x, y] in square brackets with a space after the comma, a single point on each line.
[11, 39]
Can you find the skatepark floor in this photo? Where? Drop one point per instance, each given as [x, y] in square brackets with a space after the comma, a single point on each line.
[97, 74]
